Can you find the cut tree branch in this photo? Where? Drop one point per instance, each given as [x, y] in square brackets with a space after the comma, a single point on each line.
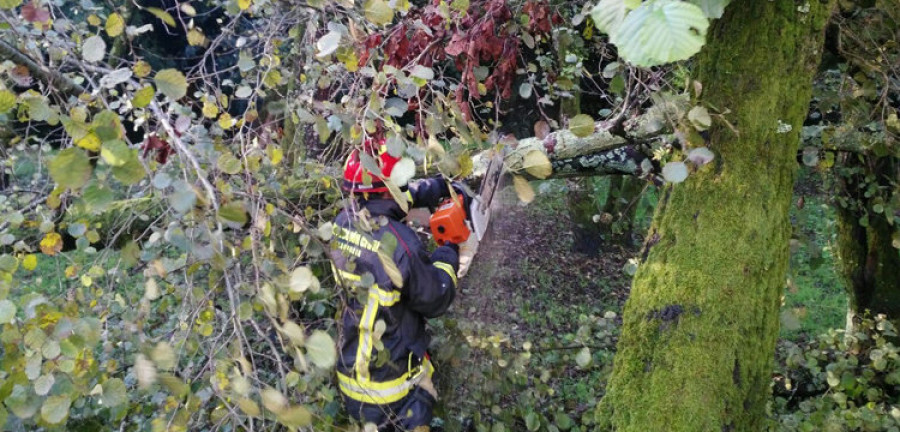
[53, 78]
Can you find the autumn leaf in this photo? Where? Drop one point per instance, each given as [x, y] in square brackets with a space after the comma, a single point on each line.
[32, 12]
[115, 25]
[51, 244]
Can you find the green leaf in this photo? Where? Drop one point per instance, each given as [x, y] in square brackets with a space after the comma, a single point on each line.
[43, 384]
[712, 8]
[55, 409]
[532, 421]
[115, 393]
[97, 197]
[22, 402]
[320, 349]
[233, 212]
[38, 108]
[183, 198]
[143, 97]
[115, 152]
[700, 118]
[608, 15]
[9, 4]
[229, 164]
[303, 279]
[107, 125]
[71, 168]
[93, 49]
[660, 32]
[131, 171]
[8, 264]
[7, 100]
[378, 12]
[171, 83]
[163, 15]
[7, 311]
[581, 125]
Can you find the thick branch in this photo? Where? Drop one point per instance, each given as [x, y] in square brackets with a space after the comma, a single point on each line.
[52, 77]
[610, 150]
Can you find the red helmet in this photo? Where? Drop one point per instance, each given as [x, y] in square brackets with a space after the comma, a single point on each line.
[355, 175]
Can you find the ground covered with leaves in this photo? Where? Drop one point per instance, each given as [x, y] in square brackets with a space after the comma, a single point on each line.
[529, 341]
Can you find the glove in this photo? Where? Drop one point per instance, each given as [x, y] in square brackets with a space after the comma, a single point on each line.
[463, 192]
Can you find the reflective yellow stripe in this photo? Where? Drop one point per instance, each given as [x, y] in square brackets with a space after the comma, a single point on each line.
[385, 298]
[379, 393]
[377, 297]
[409, 197]
[448, 269]
[366, 342]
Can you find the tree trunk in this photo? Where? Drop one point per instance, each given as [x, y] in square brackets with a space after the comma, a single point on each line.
[698, 339]
[867, 259]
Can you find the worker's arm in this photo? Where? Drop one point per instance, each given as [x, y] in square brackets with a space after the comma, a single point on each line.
[431, 284]
[428, 192]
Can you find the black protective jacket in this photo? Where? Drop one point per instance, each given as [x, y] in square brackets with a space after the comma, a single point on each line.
[372, 352]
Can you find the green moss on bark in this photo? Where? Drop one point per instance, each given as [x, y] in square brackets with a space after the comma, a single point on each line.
[700, 326]
[867, 259]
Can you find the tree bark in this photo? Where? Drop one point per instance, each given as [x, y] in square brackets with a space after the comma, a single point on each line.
[867, 259]
[698, 338]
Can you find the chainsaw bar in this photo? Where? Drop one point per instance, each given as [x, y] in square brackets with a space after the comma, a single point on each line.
[480, 209]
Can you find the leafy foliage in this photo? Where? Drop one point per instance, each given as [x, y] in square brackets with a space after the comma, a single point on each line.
[840, 381]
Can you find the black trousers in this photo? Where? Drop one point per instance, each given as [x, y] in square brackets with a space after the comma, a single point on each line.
[415, 410]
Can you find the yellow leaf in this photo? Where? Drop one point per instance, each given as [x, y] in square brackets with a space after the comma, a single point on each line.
[86, 280]
[275, 154]
[163, 15]
[537, 164]
[51, 244]
[89, 142]
[272, 78]
[29, 262]
[225, 121]
[94, 20]
[523, 189]
[244, 4]
[210, 110]
[71, 271]
[115, 25]
[141, 69]
[248, 407]
[195, 37]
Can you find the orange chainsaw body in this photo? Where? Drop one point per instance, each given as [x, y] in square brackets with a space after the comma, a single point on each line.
[448, 223]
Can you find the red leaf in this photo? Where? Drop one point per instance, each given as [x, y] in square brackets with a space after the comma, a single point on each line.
[32, 12]
[21, 75]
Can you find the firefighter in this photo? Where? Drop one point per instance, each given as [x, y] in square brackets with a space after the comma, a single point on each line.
[384, 371]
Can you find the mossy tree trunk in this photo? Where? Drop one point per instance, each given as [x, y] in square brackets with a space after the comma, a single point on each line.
[867, 259]
[699, 332]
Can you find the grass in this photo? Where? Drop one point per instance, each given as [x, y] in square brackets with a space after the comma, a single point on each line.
[815, 299]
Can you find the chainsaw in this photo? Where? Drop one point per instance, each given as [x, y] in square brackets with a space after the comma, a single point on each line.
[451, 223]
